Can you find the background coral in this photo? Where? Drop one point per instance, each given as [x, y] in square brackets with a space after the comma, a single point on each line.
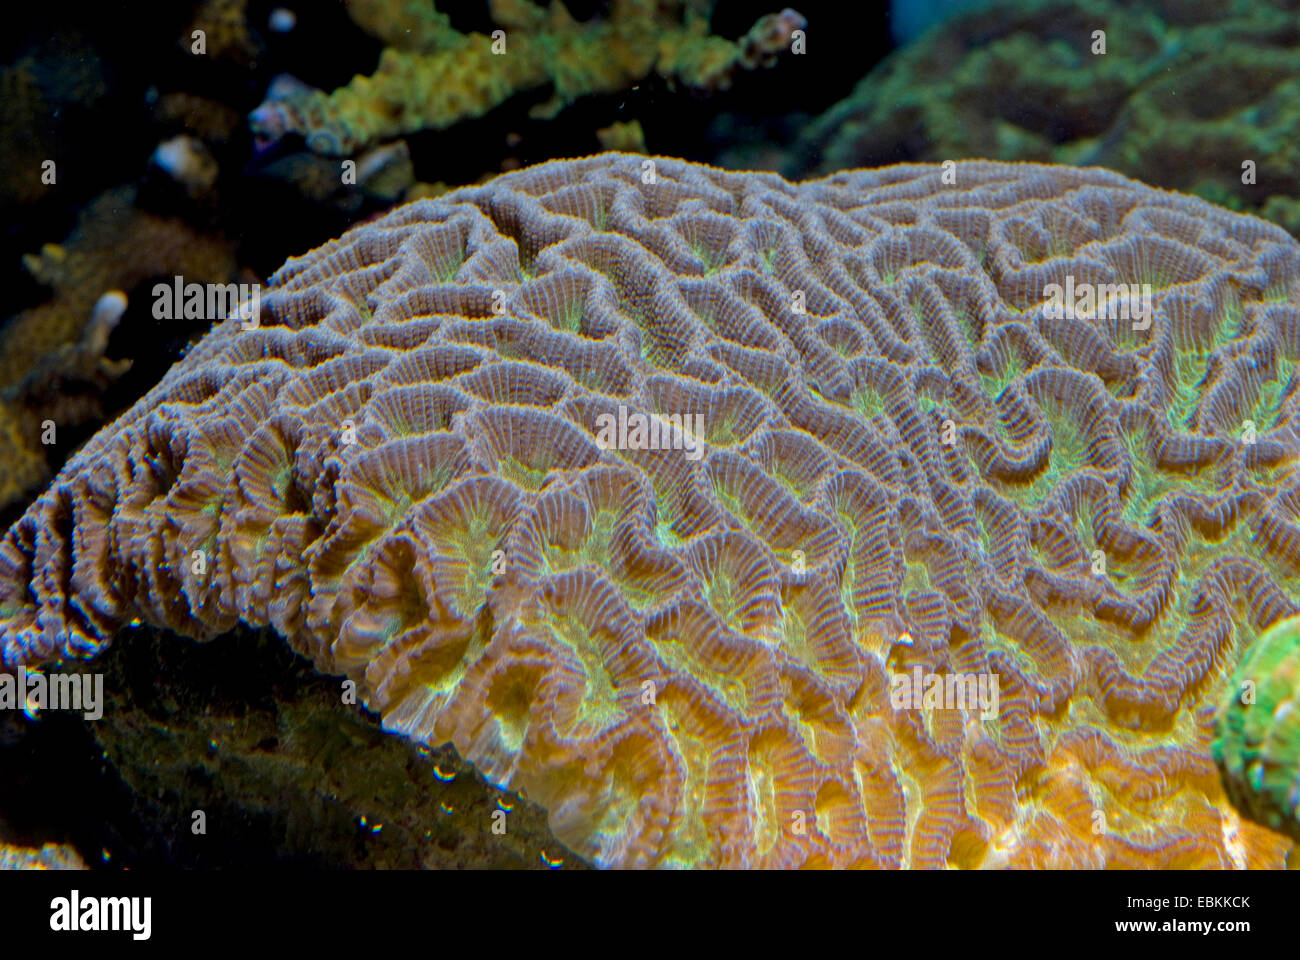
[226, 32]
[42, 95]
[908, 19]
[52, 356]
[424, 392]
[413, 25]
[49, 857]
[65, 388]
[433, 77]
[1184, 94]
[1258, 742]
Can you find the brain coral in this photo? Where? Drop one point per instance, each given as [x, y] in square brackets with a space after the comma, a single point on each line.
[685, 649]
[1185, 93]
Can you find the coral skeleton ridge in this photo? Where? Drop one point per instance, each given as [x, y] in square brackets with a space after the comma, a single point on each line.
[907, 467]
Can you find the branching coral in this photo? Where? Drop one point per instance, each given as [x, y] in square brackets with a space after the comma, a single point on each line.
[54, 368]
[432, 77]
[64, 390]
[115, 246]
[875, 455]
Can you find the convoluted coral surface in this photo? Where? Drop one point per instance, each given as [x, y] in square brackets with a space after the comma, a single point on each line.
[684, 644]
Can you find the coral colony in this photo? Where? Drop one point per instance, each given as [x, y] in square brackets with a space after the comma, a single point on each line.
[433, 76]
[1046, 81]
[685, 642]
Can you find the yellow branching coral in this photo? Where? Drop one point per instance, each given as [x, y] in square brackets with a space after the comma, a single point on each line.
[435, 77]
[741, 522]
